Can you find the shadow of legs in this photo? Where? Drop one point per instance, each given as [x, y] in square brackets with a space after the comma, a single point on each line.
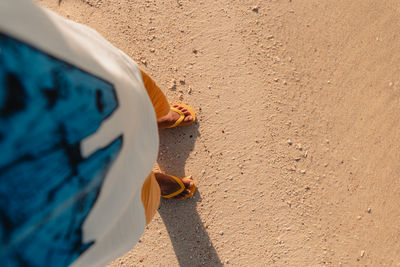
[190, 240]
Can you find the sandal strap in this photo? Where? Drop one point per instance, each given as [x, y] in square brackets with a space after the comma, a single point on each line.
[181, 118]
[180, 190]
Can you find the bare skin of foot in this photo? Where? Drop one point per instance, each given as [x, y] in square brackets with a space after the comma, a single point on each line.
[169, 185]
[172, 117]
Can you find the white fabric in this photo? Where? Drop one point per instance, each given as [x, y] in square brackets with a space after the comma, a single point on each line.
[117, 220]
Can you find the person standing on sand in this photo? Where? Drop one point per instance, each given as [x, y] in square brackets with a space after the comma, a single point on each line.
[167, 117]
[79, 127]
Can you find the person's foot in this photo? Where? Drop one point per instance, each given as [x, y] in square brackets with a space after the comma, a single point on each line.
[173, 116]
[168, 185]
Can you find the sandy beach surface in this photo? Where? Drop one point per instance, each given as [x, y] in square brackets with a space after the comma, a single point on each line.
[296, 150]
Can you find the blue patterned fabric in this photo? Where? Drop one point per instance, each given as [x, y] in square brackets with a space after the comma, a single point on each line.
[47, 189]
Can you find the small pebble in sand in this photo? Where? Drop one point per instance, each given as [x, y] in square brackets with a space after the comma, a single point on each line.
[203, 172]
[358, 217]
[369, 210]
[289, 142]
[362, 253]
[189, 91]
[172, 85]
[152, 50]
[254, 9]
[299, 147]
[303, 171]
[391, 84]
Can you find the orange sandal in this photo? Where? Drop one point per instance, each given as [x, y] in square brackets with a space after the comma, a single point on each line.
[180, 122]
[180, 190]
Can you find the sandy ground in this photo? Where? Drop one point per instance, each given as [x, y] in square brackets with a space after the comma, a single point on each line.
[296, 150]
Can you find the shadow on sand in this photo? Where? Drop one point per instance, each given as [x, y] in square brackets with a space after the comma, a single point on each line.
[190, 240]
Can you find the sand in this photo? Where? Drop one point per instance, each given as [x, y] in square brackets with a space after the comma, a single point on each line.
[296, 150]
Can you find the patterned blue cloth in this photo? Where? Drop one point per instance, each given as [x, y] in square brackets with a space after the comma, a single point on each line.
[47, 189]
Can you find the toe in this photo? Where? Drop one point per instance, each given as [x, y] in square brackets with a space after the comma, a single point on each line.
[188, 183]
[183, 109]
[183, 194]
[188, 119]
